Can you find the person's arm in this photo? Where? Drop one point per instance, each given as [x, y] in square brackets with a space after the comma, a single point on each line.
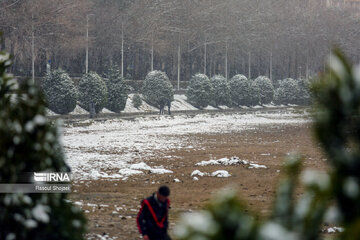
[166, 223]
[141, 220]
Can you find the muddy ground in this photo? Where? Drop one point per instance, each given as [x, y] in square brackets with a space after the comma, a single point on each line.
[269, 146]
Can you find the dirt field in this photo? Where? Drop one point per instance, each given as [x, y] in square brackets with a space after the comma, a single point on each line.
[111, 205]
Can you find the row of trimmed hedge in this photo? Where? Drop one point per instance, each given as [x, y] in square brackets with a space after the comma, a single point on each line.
[240, 91]
[112, 91]
[93, 91]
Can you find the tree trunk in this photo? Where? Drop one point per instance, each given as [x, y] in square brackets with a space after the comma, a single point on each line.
[179, 63]
[2, 40]
[122, 50]
[271, 61]
[205, 57]
[152, 51]
[226, 60]
[249, 59]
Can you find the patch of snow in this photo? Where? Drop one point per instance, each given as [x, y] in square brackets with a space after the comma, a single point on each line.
[271, 105]
[78, 203]
[223, 107]
[30, 223]
[210, 108]
[99, 237]
[180, 104]
[10, 236]
[50, 113]
[177, 180]
[129, 107]
[140, 166]
[195, 179]
[160, 171]
[257, 106]
[223, 161]
[128, 172]
[201, 222]
[274, 230]
[40, 213]
[232, 161]
[116, 144]
[314, 177]
[79, 111]
[221, 174]
[105, 110]
[334, 229]
[254, 165]
[197, 172]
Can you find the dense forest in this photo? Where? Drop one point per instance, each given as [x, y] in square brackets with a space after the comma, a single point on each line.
[276, 38]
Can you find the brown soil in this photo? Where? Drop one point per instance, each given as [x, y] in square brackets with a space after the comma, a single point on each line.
[268, 146]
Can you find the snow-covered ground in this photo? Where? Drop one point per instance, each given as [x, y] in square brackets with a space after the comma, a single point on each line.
[119, 148]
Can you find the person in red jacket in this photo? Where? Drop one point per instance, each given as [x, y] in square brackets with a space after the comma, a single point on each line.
[152, 219]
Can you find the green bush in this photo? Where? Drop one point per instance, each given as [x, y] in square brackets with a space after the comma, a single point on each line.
[304, 92]
[199, 91]
[240, 90]
[92, 90]
[265, 88]
[117, 90]
[29, 143]
[137, 101]
[220, 94]
[254, 94]
[157, 88]
[288, 92]
[59, 91]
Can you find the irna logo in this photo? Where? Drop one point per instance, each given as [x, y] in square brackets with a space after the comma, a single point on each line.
[52, 177]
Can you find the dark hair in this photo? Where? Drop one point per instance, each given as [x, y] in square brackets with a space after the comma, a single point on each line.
[164, 191]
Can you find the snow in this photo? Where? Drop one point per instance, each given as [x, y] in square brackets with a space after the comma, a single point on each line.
[223, 107]
[104, 236]
[201, 222]
[10, 236]
[351, 187]
[312, 177]
[271, 105]
[254, 165]
[223, 161]
[30, 223]
[40, 213]
[160, 171]
[180, 104]
[232, 161]
[79, 111]
[177, 180]
[335, 229]
[105, 110]
[210, 108]
[221, 174]
[218, 173]
[274, 231]
[199, 173]
[128, 172]
[143, 108]
[116, 148]
[140, 166]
